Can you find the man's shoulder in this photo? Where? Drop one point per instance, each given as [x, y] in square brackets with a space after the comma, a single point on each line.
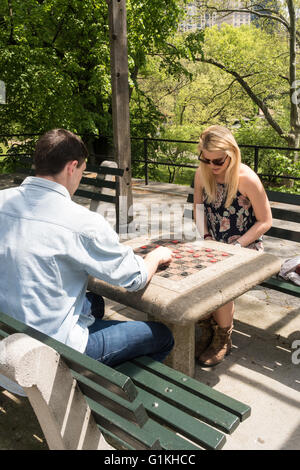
[8, 194]
[84, 222]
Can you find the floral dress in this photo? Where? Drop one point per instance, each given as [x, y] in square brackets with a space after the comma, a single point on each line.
[227, 225]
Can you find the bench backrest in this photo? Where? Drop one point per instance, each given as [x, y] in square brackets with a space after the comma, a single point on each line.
[90, 187]
[285, 214]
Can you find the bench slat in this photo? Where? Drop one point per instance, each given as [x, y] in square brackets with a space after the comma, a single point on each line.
[184, 400]
[98, 183]
[115, 441]
[105, 170]
[81, 363]
[130, 437]
[95, 196]
[282, 286]
[184, 424]
[138, 437]
[283, 214]
[168, 439]
[190, 198]
[285, 198]
[100, 169]
[133, 411]
[201, 390]
[290, 235]
[3, 334]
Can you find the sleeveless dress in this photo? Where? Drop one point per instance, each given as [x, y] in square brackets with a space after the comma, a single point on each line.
[227, 225]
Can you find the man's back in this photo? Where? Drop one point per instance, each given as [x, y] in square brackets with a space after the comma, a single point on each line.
[49, 246]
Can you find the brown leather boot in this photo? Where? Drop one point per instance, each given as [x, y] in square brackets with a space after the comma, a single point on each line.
[206, 337]
[219, 347]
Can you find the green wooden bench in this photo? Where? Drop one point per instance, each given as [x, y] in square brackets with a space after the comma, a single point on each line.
[143, 404]
[287, 215]
[281, 213]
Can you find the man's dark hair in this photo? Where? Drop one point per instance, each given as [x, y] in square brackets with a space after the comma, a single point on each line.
[55, 149]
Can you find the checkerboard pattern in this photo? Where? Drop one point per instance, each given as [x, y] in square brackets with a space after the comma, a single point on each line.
[188, 259]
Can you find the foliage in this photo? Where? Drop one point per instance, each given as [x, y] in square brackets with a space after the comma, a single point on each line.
[55, 62]
[279, 20]
[257, 132]
[170, 148]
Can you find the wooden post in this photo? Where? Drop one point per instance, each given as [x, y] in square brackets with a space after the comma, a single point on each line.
[120, 108]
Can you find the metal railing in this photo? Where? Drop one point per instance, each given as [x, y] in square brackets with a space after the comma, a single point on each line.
[256, 148]
[146, 161]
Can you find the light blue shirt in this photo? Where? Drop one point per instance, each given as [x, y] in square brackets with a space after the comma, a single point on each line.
[49, 245]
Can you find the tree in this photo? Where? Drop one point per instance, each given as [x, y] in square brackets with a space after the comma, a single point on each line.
[286, 19]
[211, 96]
[54, 60]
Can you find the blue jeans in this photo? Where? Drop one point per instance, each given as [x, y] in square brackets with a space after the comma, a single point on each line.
[113, 342]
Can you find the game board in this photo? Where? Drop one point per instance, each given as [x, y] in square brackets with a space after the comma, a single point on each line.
[188, 258]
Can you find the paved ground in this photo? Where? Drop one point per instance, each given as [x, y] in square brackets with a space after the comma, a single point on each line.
[259, 371]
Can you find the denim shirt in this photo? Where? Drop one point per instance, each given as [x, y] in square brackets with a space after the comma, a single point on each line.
[49, 245]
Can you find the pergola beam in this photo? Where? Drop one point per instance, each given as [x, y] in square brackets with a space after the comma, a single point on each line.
[120, 107]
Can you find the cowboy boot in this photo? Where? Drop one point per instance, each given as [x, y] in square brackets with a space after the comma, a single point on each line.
[219, 347]
[206, 337]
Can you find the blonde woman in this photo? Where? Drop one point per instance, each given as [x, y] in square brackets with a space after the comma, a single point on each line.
[236, 211]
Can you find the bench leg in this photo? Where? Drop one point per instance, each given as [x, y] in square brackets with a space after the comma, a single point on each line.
[182, 357]
[59, 405]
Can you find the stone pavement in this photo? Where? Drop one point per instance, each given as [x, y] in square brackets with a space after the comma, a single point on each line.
[259, 371]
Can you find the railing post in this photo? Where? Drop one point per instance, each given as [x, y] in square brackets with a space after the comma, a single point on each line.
[256, 150]
[146, 161]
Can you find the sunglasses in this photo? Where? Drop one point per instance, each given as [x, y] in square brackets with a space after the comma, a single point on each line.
[216, 161]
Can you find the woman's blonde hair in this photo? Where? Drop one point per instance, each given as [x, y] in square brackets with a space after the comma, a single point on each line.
[213, 139]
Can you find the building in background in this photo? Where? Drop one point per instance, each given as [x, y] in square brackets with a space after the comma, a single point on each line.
[197, 19]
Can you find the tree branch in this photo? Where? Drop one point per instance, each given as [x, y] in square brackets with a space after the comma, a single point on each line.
[260, 103]
[11, 34]
[284, 78]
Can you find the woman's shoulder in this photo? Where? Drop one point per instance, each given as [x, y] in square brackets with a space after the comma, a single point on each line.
[247, 175]
[247, 178]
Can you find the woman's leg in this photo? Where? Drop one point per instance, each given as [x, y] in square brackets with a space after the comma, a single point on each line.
[221, 344]
[224, 315]
[114, 342]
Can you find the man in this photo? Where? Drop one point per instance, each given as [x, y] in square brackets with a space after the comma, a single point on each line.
[50, 245]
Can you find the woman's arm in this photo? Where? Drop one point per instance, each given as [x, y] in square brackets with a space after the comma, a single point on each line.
[199, 215]
[251, 187]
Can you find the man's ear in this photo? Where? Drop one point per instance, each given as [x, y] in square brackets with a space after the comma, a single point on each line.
[71, 166]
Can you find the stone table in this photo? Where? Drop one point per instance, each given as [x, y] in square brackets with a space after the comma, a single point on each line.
[180, 302]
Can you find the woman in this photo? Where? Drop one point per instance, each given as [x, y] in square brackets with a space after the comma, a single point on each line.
[236, 211]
